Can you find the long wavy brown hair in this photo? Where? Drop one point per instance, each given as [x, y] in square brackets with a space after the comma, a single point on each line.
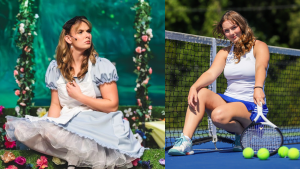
[64, 56]
[245, 42]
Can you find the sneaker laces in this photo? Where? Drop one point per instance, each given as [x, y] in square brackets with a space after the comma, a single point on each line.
[178, 141]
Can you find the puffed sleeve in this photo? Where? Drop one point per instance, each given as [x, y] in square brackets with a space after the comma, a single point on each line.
[52, 75]
[104, 72]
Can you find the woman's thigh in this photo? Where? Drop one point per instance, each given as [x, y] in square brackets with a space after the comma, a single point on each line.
[232, 111]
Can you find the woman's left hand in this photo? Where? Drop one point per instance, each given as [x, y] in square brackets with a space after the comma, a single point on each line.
[259, 96]
[73, 90]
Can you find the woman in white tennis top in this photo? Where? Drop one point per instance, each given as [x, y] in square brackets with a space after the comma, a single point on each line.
[245, 64]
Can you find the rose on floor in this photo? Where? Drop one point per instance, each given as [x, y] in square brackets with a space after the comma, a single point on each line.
[42, 162]
[20, 160]
[9, 144]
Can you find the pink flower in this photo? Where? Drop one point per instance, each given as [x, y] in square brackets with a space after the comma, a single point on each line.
[4, 127]
[146, 81]
[22, 104]
[17, 92]
[150, 71]
[125, 118]
[15, 72]
[138, 68]
[135, 162]
[9, 144]
[42, 162]
[1, 108]
[24, 91]
[26, 49]
[145, 38]
[20, 160]
[22, 69]
[162, 161]
[138, 50]
[143, 50]
[147, 97]
[150, 107]
[133, 118]
[139, 102]
[11, 167]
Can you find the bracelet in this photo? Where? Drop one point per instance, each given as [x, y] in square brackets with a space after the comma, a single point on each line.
[258, 87]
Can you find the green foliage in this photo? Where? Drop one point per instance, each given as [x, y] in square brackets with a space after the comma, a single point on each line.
[213, 14]
[293, 26]
[274, 22]
[154, 155]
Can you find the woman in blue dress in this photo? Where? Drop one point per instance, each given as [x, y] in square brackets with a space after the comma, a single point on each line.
[83, 125]
[245, 65]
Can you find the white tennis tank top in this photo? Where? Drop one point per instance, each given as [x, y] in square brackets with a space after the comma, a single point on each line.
[240, 76]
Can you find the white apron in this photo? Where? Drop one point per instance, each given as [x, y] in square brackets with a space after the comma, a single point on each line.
[71, 107]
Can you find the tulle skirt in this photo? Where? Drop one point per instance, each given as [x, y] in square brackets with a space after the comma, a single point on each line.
[90, 139]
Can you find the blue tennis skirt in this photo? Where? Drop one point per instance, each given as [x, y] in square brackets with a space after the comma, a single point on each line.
[251, 106]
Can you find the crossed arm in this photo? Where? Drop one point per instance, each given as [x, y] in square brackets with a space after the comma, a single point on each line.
[109, 103]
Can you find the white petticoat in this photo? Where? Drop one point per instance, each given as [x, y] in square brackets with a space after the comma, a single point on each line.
[52, 139]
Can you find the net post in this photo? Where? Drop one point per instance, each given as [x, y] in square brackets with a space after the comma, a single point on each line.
[211, 127]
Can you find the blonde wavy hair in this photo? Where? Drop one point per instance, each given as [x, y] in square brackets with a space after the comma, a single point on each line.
[64, 56]
[245, 42]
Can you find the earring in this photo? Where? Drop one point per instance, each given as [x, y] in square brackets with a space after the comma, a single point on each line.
[71, 46]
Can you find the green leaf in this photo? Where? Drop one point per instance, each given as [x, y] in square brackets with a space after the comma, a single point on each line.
[139, 112]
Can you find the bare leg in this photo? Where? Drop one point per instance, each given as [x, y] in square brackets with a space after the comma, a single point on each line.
[233, 117]
[207, 100]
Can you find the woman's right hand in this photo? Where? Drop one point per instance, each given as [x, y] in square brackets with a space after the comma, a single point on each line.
[193, 97]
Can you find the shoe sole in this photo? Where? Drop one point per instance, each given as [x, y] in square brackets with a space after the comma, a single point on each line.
[178, 153]
[237, 149]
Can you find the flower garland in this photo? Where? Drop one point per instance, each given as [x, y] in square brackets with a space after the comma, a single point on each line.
[24, 32]
[142, 36]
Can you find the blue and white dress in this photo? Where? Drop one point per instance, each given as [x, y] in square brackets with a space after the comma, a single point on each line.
[81, 136]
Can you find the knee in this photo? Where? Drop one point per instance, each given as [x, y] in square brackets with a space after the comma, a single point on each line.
[202, 94]
[218, 116]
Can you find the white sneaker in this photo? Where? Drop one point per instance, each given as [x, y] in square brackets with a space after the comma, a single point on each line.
[181, 147]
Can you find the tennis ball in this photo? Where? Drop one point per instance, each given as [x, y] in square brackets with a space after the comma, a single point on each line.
[283, 151]
[263, 154]
[248, 152]
[293, 153]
